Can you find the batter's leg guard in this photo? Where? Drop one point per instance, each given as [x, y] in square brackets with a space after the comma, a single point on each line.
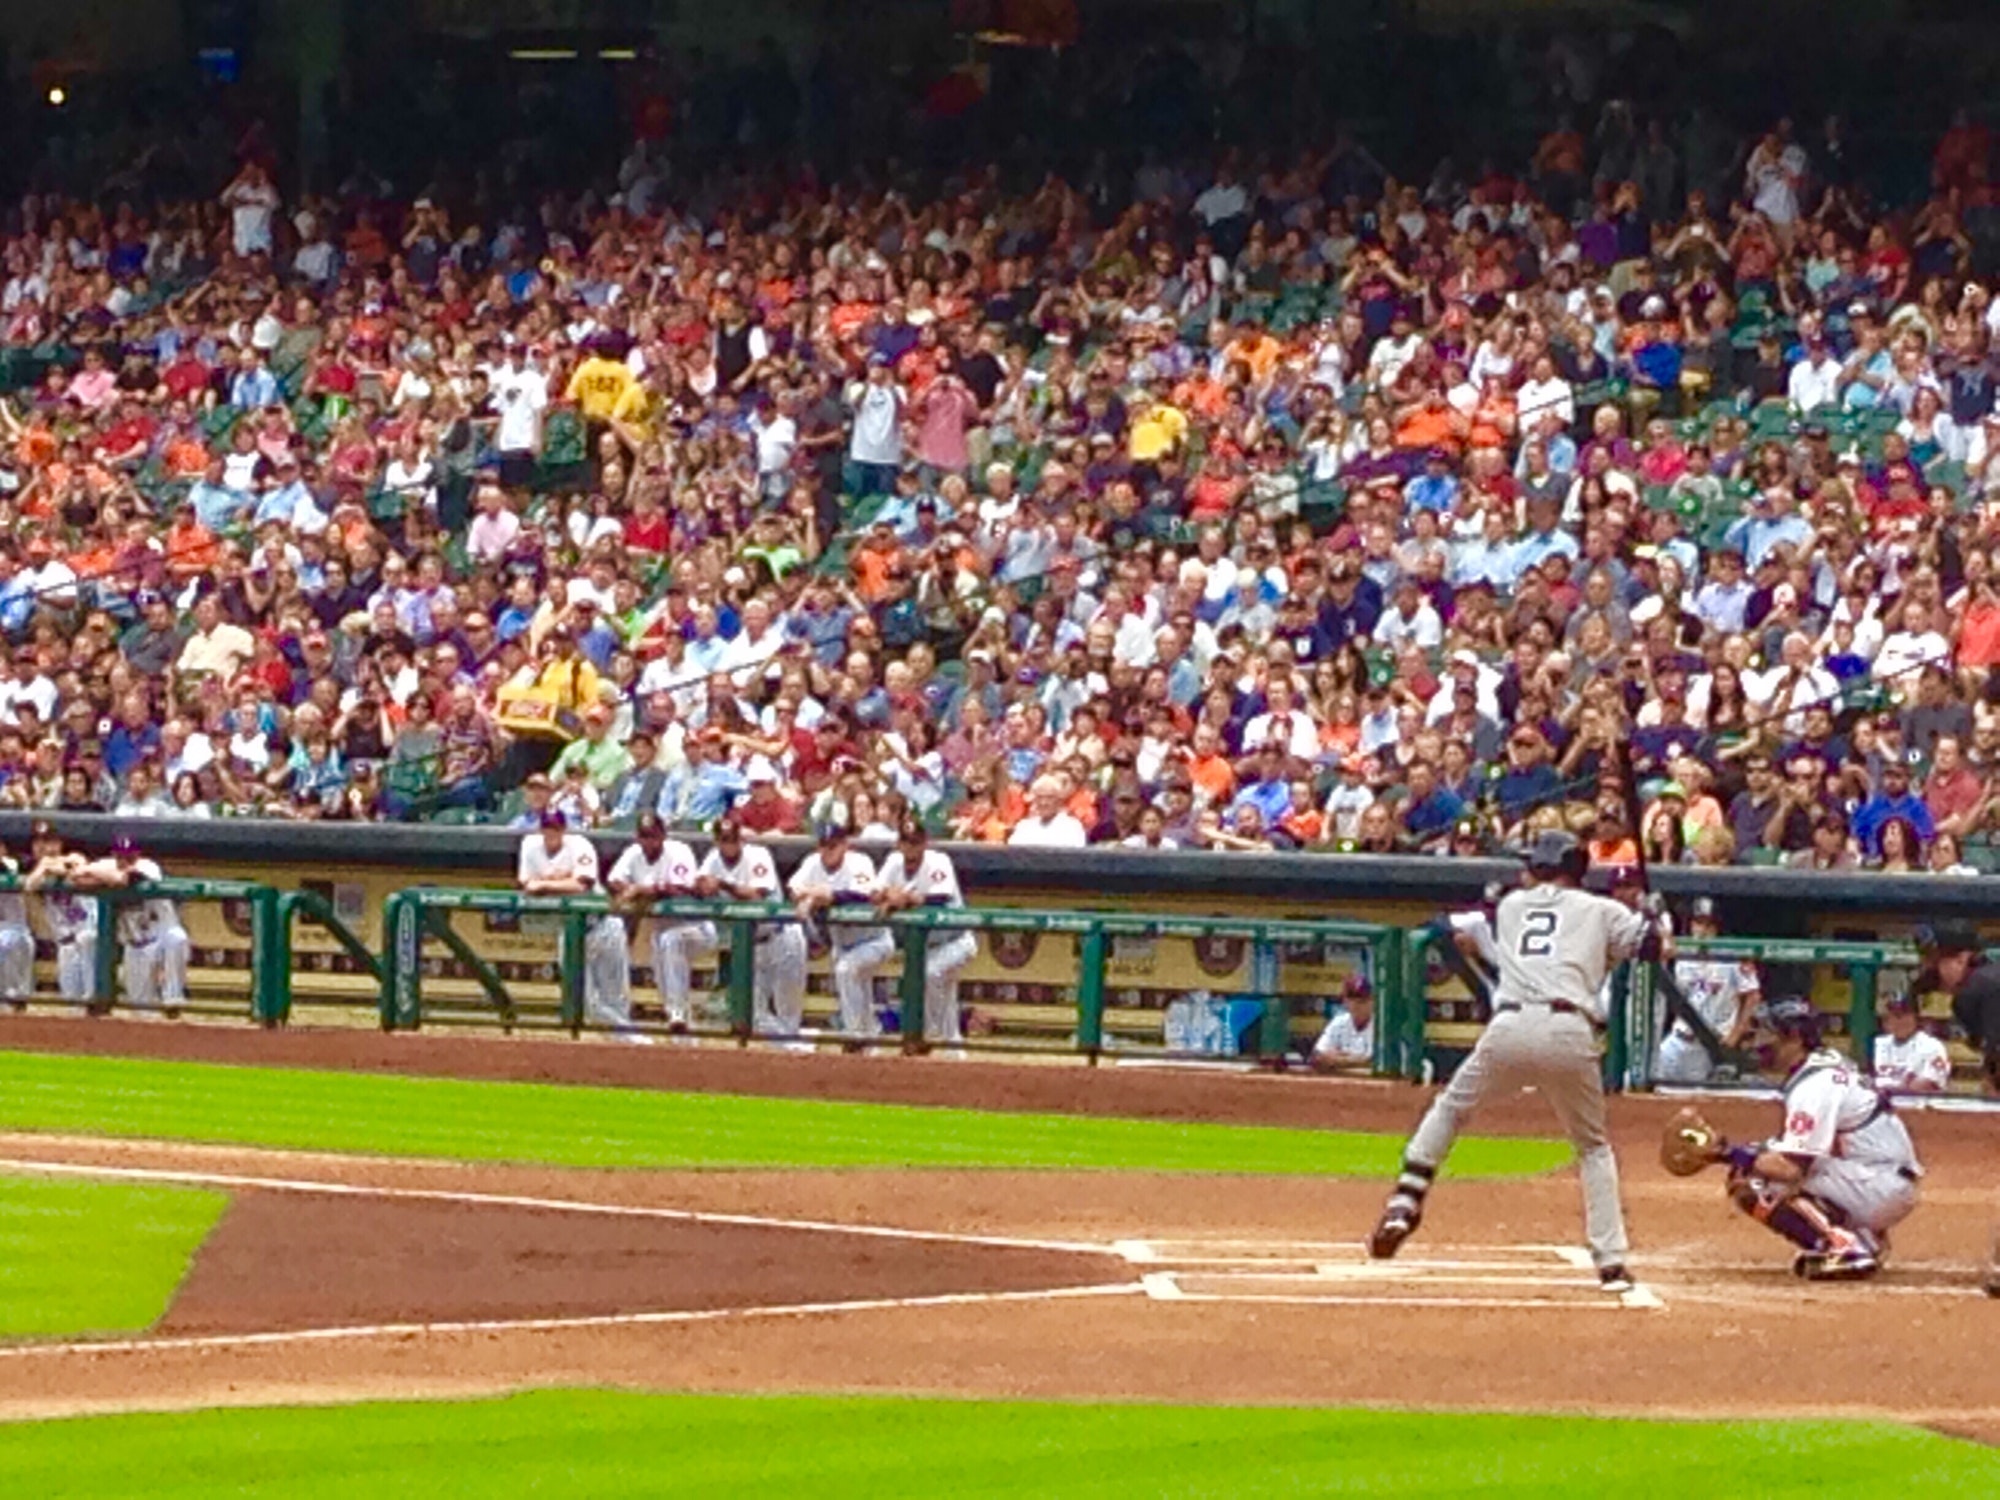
[1403, 1212]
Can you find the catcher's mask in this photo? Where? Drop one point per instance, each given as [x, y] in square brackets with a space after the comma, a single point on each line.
[1785, 1016]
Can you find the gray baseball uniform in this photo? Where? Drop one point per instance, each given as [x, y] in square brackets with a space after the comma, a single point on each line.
[1556, 945]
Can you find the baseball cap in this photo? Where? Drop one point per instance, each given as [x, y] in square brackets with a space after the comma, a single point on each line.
[1357, 987]
[1899, 1000]
[648, 824]
[124, 844]
[1702, 909]
[554, 819]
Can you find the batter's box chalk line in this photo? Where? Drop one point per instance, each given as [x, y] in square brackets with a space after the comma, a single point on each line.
[1304, 1273]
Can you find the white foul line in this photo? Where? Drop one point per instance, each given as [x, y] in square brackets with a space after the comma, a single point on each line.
[368, 1331]
[546, 1205]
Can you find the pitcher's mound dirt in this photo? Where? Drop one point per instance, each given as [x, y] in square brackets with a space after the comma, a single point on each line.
[289, 1260]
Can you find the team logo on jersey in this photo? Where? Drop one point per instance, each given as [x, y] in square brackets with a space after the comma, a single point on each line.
[1799, 1123]
[1219, 954]
[1013, 950]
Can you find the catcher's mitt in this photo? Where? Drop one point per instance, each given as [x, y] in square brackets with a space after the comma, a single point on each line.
[1690, 1144]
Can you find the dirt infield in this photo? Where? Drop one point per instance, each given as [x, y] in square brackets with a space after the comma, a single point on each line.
[326, 1271]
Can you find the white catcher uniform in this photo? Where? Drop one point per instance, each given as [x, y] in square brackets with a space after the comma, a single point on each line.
[153, 944]
[17, 942]
[858, 952]
[1861, 1159]
[676, 941]
[935, 883]
[1919, 1063]
[1718, 989]
[1555, 945]
[607, 958]
[778, 965]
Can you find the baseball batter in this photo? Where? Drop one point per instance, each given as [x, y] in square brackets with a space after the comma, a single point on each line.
[1906, 1059]
[1556, 943]
[917, 875]
[1723, 992]
[836, 875]
[657, 868]
[739, 871]
[1842, 1171]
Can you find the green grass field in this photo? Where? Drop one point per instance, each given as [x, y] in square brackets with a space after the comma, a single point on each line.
[600, 1127]
[605, 1443]
[87, 1257]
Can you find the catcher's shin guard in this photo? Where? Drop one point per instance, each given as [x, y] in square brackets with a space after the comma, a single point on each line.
[1828, 1249]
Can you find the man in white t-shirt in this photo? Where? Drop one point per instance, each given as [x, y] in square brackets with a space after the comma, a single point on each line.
[733, 870]
[1347, 1044]
[1906, 1058]
[252, 203]
[1048, 825]
[151, 939]
[875, 446]
[556, 862]
[657, 868]
[917, 875]
[520, 396]
[837, 876]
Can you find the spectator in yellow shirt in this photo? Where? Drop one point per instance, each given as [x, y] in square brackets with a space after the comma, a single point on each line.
[597, 387]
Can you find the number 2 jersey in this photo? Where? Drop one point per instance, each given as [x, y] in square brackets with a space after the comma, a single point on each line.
[1831, 1109]
[1558, 943]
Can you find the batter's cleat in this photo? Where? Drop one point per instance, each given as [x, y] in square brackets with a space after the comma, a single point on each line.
[1399, 1221]
[1614, 1279]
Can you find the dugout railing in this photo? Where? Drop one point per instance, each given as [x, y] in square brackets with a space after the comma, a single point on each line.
[253, 981]
[433, 972]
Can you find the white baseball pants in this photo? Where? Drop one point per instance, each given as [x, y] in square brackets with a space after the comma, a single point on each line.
[155, 971]
[607, 973]
[1557, 1055]
[942, 963]
[1873, 1196]
[76, 965]
[854, 970]
[1681, 1059]
[675, 947]
[17, 963]
[778, 979]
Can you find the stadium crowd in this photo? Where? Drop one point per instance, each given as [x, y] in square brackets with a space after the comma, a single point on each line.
[1255, 506]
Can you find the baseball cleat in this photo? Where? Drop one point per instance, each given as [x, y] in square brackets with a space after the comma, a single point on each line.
[1614, 1279]
[1851, 1257]
[1398, 1222]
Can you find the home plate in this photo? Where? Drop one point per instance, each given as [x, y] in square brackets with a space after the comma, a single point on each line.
[1307, 1273]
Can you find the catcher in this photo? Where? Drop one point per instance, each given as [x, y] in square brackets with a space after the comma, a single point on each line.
[1840, 1175]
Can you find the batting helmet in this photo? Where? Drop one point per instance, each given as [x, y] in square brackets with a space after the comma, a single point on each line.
[1791, 1015]
[1555, 852]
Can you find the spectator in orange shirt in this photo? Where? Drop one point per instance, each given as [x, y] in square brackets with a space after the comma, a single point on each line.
[877, 564]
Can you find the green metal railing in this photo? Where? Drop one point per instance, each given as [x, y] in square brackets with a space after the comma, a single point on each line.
[270, 968]
[419, 914]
